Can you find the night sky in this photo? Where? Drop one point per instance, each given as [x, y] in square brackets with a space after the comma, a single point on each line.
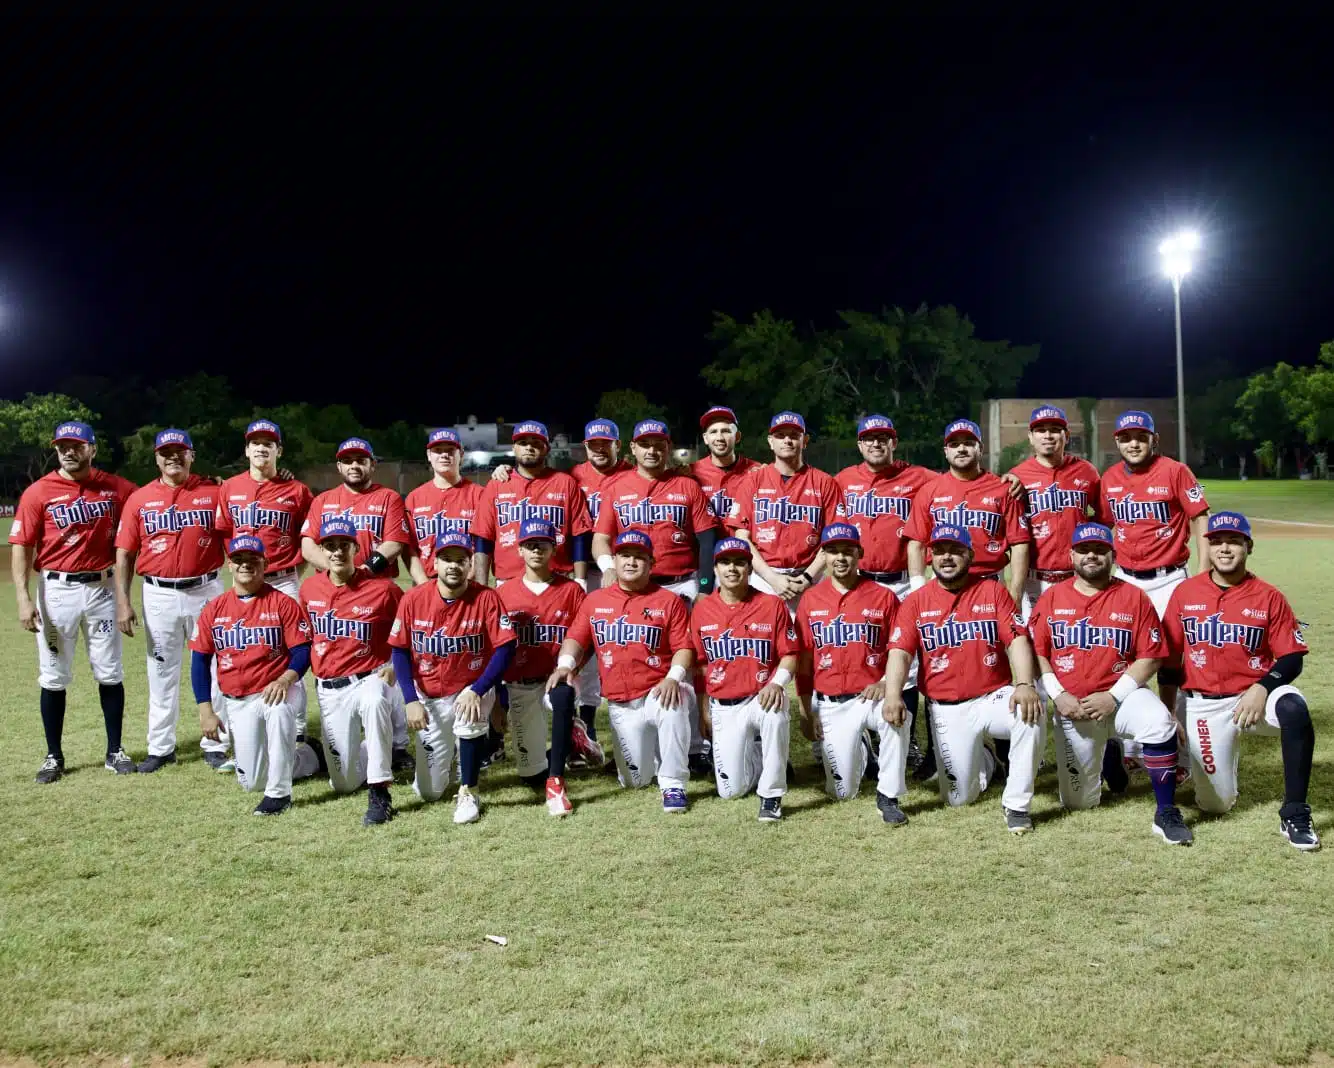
[519, 214]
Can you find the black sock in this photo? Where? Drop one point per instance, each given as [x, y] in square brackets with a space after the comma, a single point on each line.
[53, 720]
[1298, 745]
[910, 701]
[562, 719]
[470, 760]
[589, 714]
[113, 712]
[1002, 750]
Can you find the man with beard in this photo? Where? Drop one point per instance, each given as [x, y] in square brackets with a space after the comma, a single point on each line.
[376, 511]
[1099, 641]
[448, 503]
[721, 470]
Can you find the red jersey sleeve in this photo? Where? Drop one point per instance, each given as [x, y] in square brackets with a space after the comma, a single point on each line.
[743, 512]
[27, 526]
[678, 626]
[127, 531]
[1011, 623]
[1016, 520]
[1285, 631]
[804, 643]
[580, 521]
[400, 634]
[903, 635]
[484, 522]
[1173, 636]
[701, 519]
[581, 630]
[831, 500]
[1150, 641]
[1190, 493]
[498, 625]
[1037, 625]
[396, 526]
[696, 638]
[918, 527]
[222, 520]
[296, 624]
[606, 522]
[784, 632]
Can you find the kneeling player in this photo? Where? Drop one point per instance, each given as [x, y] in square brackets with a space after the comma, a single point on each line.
[640, 634]
[262, 640]
[977, 671]
[1099, 641]
[1241, 648]
[747, 650]
[843, 625]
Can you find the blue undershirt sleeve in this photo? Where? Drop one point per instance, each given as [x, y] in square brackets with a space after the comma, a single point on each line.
[495, 668]
[484, 545]
[298, 659]
[583, 547]
[201, 681]
[402, 661]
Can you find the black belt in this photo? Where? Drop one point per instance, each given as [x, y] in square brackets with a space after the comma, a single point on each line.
[532, 680]
[342, 682]
[180, 584]
[1153, 572]
[1049, 576]
[664, 580]
[885, 576]
[1210, 696]
[838, 698]
[80, 576]
[728, 702]
[279, 574]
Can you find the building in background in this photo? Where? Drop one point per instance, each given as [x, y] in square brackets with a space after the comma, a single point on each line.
[1004, 425]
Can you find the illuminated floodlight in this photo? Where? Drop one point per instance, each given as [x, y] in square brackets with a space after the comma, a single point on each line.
[1176, 253]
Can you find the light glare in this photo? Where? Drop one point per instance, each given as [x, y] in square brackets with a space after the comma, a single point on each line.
[1176, 251]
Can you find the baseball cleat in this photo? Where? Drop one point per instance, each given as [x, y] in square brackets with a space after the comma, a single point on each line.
[926, 770]
[1171, 828]
[915, 755]
[273, 806]
[674, 800]
[701, 764]
[220, 762]
[155, 763]
[496, 756]
[379, 807]
[771, 809]
[467, 807]
[890, 811]
[1296, 827]
[53, 767]
[1017, 822]
[119, 761]
[586, 747]
[558, 802]
[401, 760]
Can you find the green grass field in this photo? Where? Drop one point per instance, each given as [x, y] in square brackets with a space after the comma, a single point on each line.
[153, 916]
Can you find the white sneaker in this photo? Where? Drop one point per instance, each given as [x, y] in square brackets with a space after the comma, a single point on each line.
[467, 808]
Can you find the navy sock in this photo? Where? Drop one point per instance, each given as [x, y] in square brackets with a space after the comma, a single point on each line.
[562, 720]
[1160, 761]
[53, 720]
[470, 760]
[589, 713]
[910, 700]
[113, 712]
[1297, 741]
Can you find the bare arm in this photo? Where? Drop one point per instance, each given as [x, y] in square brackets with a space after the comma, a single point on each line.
[20, 566]
[390, 550]
[481, 568]
[1198, 526]
[1023, 665]
[125, 615]
[313, 554]
[916, 560]
[778, 583]
[1019, 556]
[417, 570]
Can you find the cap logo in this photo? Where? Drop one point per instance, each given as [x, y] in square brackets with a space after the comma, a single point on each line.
[530, 429]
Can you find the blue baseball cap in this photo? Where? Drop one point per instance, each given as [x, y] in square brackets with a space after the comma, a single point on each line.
[172, 436]
[452, 539]
[1092, 532]
[74, 432]
[1134, 420]
[731, 547]
[963, 426]
[264, 426]
[352, 445]
[787, 419]
[877, 424]
[537, 530]
[1228, 523]
[530, 428]
[1048, 413]
[719, 413]
[245, 543]
[633, 539]
[602, 430]
[950, 532]
[651, 428]
[840, 532]
[337, 526]
[443, 436]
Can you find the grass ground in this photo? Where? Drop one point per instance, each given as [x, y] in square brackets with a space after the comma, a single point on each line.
[155, 916]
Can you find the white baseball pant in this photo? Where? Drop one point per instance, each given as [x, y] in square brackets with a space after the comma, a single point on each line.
[290, 584]
[263, 738]
[63, 610]
[965, 763]
[588, 683]
[1142, 718]
[398, 718]
[1214, 749]
[739, 765]
[653, 740]
[1034, 588]
[528, 713]
[842, 723]
[169, 620]
[358, 734]
[1159, 588]
[688, 588]
[435, 745]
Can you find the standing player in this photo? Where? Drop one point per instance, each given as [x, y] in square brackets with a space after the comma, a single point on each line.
[376, 511]
[977, 672]
[65, 529]
[640, 635]
[1098, 642]
[541, 606]
[1241, 649]
[448, 503]
[1062, 492]
[747, 650]
[453, 641]
[721, 471]
[166, 534]
[351, 613]
[261, 639]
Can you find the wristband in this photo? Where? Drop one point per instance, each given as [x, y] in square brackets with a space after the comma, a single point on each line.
[1052, 685]
[678, 673]
[566, 661]
[916, 582]
[1123, 688]
[809, 581]
[605, 562]
[377, 562]
[781, 677]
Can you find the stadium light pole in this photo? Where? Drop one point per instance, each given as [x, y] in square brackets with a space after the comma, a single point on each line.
[1176, 253]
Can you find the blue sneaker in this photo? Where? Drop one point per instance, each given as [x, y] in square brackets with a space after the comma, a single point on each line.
[674, 800]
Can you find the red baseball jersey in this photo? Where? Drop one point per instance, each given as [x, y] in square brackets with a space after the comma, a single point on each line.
[591, 481]
[171, 528]
[1150, 512]
[271, 510]
[378, 514]
[633, 636]
[552, 495]
[738, 646]
[1059, 499]
[1090, 641]
[350, 623]
[785, 515]
[540, 621]
[252, 637]
[672, 510]
[961, 638]
[450, 641]
[879, 504]
[720, 484]
[433, 511]
[71, 523]
[984, 507]
[846, 634]
[1227, 638]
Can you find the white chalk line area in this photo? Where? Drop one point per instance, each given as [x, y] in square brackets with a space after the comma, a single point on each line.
[1290, 522]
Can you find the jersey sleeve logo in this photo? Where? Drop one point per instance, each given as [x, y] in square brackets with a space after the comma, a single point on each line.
[1195, 494]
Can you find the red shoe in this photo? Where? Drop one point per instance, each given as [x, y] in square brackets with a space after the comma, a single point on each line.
[558, 804]
[585, 747]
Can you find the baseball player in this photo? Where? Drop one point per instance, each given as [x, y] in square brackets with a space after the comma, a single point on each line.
[167, 534]
[447, 503]
[351, 613]
[844, 624]
[977, 671]
[1098, 642]
[541, 606]
[640, 635]
[65, 529]
[375, 510]
[747, 648]
[452, 642]
[532, 491]
[1063, 491]
[261, 639]
[721, 470]
[1241, 648]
